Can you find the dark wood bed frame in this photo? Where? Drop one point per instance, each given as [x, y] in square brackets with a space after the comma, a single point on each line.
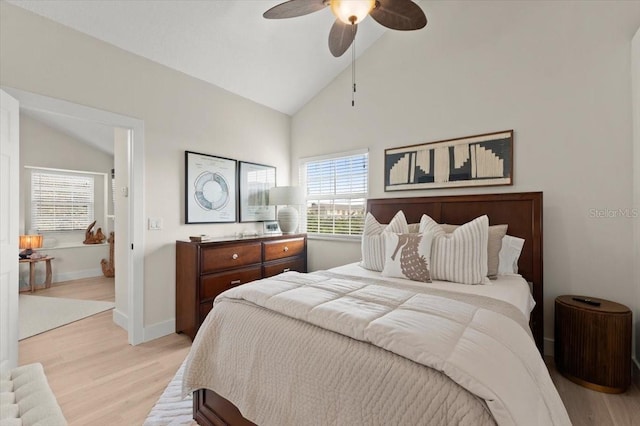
[522, 211]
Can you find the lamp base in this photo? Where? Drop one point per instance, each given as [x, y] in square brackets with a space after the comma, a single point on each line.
[25, 254]
[288, 219]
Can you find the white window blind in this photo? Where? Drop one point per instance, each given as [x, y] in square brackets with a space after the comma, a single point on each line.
[336, 193]
[61, 201]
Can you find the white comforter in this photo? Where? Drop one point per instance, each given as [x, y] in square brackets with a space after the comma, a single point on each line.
[474, 346]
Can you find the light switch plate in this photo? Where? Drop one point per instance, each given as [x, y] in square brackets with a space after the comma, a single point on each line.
[155, 223]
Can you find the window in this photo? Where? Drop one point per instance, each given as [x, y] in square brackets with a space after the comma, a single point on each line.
[61, 201]
[336, 193]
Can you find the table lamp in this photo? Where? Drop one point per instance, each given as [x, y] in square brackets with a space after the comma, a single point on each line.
[287, 197]
[28, 243]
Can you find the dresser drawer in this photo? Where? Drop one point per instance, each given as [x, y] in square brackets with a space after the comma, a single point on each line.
[274, 250]
[275, 268]
[213, 284]
[230, 256]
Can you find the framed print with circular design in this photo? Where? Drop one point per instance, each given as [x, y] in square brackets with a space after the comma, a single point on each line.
[210, 189]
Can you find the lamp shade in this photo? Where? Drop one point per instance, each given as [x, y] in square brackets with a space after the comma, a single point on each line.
[286, 196]
[30, 241]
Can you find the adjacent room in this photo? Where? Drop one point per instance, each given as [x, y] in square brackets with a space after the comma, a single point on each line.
[286, 213]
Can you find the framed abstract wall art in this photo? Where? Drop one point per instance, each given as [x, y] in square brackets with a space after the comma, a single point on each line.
[210, 193]
[255, 182]
[480, 160]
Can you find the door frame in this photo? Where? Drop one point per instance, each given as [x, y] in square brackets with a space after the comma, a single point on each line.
[135, 281]
[10, 151]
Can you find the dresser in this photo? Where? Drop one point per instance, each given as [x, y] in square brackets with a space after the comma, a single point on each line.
[206, 269]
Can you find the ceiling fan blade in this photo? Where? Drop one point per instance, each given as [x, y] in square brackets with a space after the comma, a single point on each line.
[293, 8]
[341, 37]
[402, 15]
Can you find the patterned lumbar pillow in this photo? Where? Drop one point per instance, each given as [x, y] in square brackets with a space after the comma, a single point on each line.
[460, 256]
[373, 240]
[407, 256]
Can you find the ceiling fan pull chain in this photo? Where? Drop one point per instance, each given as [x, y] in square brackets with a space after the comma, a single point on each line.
[353, 71]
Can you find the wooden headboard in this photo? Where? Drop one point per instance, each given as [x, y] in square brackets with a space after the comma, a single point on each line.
[522, 211]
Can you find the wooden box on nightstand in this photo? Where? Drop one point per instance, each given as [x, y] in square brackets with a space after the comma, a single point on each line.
[593, 343]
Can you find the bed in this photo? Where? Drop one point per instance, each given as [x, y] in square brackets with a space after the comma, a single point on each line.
[296, 367]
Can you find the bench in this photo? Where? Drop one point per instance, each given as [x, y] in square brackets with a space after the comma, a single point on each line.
[26, 398]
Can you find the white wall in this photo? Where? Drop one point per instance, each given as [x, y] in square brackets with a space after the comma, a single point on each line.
[635, 74]
[44, 146]
[179, 113]
[558, 73]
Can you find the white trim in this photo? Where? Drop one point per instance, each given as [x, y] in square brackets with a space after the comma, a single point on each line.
[74, 275]
[335, 237]
[37, 102]
[334, 155]
[159, 329]
[80, 172]
[549, 347]
[72, 246]
[120, 319]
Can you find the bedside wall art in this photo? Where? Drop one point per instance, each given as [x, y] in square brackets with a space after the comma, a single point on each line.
[480, 160]
[255, 181]
[210, 192]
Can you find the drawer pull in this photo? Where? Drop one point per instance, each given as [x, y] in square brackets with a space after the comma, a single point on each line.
[286, 248]
[235, 282]
[286, 269]
[235, 256]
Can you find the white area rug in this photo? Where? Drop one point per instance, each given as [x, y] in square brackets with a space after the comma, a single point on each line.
[39, 314]
[171, 409]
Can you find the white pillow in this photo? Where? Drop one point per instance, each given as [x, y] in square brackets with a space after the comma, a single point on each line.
[509, 255]
[407, 256]
[460, 256]
[373, 240]
[414, 228]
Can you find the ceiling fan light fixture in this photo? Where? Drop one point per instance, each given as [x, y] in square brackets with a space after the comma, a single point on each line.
[352, 11]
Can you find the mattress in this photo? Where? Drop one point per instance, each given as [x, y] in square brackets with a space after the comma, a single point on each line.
[512, 289]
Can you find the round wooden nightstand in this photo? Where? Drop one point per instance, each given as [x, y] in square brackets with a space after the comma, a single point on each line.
[593, 343]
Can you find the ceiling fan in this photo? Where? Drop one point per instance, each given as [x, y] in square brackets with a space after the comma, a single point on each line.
[402, 15]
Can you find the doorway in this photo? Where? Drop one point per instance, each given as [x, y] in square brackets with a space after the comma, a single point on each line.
[129, 143]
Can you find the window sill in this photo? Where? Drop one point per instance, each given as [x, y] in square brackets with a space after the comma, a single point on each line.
[73, 245]
[346, 238]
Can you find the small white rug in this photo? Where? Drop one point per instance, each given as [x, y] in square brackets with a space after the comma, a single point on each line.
[39, 314]
[171, 409]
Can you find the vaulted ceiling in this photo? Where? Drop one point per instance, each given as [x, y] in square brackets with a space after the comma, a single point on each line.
[278, 63]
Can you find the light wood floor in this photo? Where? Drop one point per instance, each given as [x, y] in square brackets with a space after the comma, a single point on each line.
[99, 378]
[96, 288]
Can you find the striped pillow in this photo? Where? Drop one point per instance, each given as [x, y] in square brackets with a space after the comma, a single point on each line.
[373, 240]
[460, 256]
[496, 234]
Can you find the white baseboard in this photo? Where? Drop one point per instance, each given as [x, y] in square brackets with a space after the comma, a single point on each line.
[120, 319]
[548, 346]
[159, 329]
[75, 275]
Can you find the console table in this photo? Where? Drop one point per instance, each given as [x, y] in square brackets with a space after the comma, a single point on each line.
[32, 272]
